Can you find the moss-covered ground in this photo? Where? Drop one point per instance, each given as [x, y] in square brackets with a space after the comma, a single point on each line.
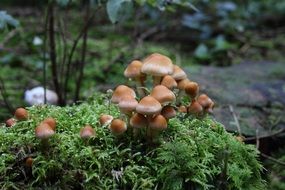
[191, 154]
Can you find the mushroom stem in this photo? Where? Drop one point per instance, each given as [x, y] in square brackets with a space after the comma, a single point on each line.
[156, 80]
[139, 84]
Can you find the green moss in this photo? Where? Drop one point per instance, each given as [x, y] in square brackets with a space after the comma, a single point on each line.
[192, 153]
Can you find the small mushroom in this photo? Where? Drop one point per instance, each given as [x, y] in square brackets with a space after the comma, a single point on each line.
[162, 94]
[195, 108]
[168, 112]
[182, 109]
[138, 121]
[206, 103]
[133, 71]
[127, 105]
[29, 162]
[156, 124]
[148, 106]
[87, 132]
[192, 89]
[105, 119]
[169, 82]
[51, 122]
[21, 114]
[118, 127]
[178, 73]
[120, 92]
[10, 122]
[157, 65]
[44, 131]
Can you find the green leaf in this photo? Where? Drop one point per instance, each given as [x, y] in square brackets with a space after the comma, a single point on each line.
[119, 10]
[202, 52]
[7, 21]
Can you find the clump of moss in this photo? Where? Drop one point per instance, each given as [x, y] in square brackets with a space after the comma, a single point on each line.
[192, 153]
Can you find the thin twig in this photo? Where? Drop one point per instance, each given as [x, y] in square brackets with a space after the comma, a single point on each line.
[4, 96]
[52, 44]
[272, 159]
[235, 119]
[67, 73]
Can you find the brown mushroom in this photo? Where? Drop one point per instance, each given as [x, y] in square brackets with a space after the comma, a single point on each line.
[157, 65]
[87, 132]
[192, 89]
[105, 119]
[169, 82]
[148, 106]
[21, 114]
[51, 122]
[10, 122]
[168, 112]
[195, 108]
[133, 71]
[120, 92]
[162, 94]
[118, 127]
[178, 73]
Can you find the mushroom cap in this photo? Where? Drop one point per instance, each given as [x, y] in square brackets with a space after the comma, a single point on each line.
[118, 126]
[158, 123]
[169, 82]
[192, 89]
[134, 69]
[138, 121]
[51, 122]
[168, 112]
[182, 109]
[157, 65]
[86, 132]
[10, 122]
[105, 119]
[29, 161]
[178, 73]
[182, 83]
[162, 94]
[195, 107]
[21, 114]
[120, 92]
[127, 104]
[44, 131]
[148, 106]
[205, 101]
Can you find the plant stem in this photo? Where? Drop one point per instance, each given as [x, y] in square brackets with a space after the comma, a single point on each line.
[52, 44]
[83, 54]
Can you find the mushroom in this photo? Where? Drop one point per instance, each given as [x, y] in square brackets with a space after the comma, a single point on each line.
[120, 92]
[156, 124]
[182, 109]
[162, 94]
[10, 122]
[148, 106]
[87, 132]
[118, 127]
[127, 104]
[195, 108]
[206, 103]
[192, 89]
[178, 73]
[168, 112]
[29, 162]
[44, 132]
[169, 82]
[51, 122]
[138, 121]
[105, 119]
[158, 66]
[21, 114]
[133, 71]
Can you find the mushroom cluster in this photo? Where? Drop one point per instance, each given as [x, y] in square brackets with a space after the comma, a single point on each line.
[149, 108]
